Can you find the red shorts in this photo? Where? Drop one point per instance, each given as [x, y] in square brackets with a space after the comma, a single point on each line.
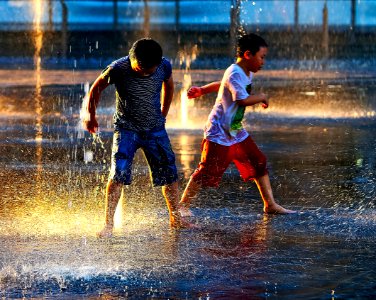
[215, 158]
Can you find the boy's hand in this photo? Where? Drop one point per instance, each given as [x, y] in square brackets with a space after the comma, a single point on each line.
[194, 92]
[265, 101]
[91, 125]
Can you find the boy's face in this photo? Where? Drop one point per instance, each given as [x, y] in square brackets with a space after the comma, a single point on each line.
[255, 62]
[141, 71]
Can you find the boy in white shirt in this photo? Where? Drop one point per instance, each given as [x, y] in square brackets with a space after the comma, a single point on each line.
[225, 139]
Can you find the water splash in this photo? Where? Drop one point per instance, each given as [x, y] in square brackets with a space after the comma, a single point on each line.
[84, 114]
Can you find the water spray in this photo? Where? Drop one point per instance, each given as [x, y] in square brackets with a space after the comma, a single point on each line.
[84, 116]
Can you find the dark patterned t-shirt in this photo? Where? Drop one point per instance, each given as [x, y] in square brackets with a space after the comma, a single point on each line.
[138, 103]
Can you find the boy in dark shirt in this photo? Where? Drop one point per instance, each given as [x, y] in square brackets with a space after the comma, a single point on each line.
[139, 122]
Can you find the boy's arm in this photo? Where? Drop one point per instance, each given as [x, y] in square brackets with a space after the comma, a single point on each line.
[90, 121]
[254, 99]
[197, 91]
[167, 95]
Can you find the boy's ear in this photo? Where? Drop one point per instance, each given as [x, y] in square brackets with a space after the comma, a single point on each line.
[247, 54]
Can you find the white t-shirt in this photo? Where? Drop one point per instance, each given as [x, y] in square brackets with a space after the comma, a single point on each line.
[224, 125]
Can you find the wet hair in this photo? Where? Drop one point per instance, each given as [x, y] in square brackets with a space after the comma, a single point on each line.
[251, 42]
[147, 52]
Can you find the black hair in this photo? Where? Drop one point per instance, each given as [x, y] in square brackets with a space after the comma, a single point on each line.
[251, 42]
[147, 52]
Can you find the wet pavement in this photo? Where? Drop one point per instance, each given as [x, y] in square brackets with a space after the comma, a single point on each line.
[319, 137]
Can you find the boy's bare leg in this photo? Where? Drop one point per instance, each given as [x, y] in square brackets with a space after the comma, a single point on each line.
[113, 193]
[171, 194]
[189, 194]
[270, 206]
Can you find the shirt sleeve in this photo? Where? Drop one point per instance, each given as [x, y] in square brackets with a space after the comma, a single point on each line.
[167, 69]
[110, 72]
[236, 86]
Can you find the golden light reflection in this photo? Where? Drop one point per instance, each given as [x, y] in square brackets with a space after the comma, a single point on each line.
[186, 158]
[48, 218]
[51, 214]
[324, 110]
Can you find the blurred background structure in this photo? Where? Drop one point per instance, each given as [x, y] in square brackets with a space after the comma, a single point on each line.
[89, 34]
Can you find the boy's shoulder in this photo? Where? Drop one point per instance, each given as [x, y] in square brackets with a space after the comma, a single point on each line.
[166, 66]
[165, 62]
[235, 71]
[234, 68]
[122, 62]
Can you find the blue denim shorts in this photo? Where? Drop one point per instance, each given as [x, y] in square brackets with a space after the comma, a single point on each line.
[157, 149]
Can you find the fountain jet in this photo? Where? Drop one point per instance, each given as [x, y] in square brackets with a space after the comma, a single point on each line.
[38, 42]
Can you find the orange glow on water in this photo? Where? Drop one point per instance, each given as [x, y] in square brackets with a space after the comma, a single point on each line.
[317, 110]
[186, 156]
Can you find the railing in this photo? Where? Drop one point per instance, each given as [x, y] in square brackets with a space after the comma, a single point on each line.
[181, 14]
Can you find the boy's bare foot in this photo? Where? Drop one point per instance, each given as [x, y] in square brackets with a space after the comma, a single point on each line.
[185, 212]
[182, 223]
[106, 232]
[277, 209]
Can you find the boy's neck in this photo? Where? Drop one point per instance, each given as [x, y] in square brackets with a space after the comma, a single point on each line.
[242, 64]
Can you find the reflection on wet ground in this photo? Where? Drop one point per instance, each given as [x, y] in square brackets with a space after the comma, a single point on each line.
[52, 202]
